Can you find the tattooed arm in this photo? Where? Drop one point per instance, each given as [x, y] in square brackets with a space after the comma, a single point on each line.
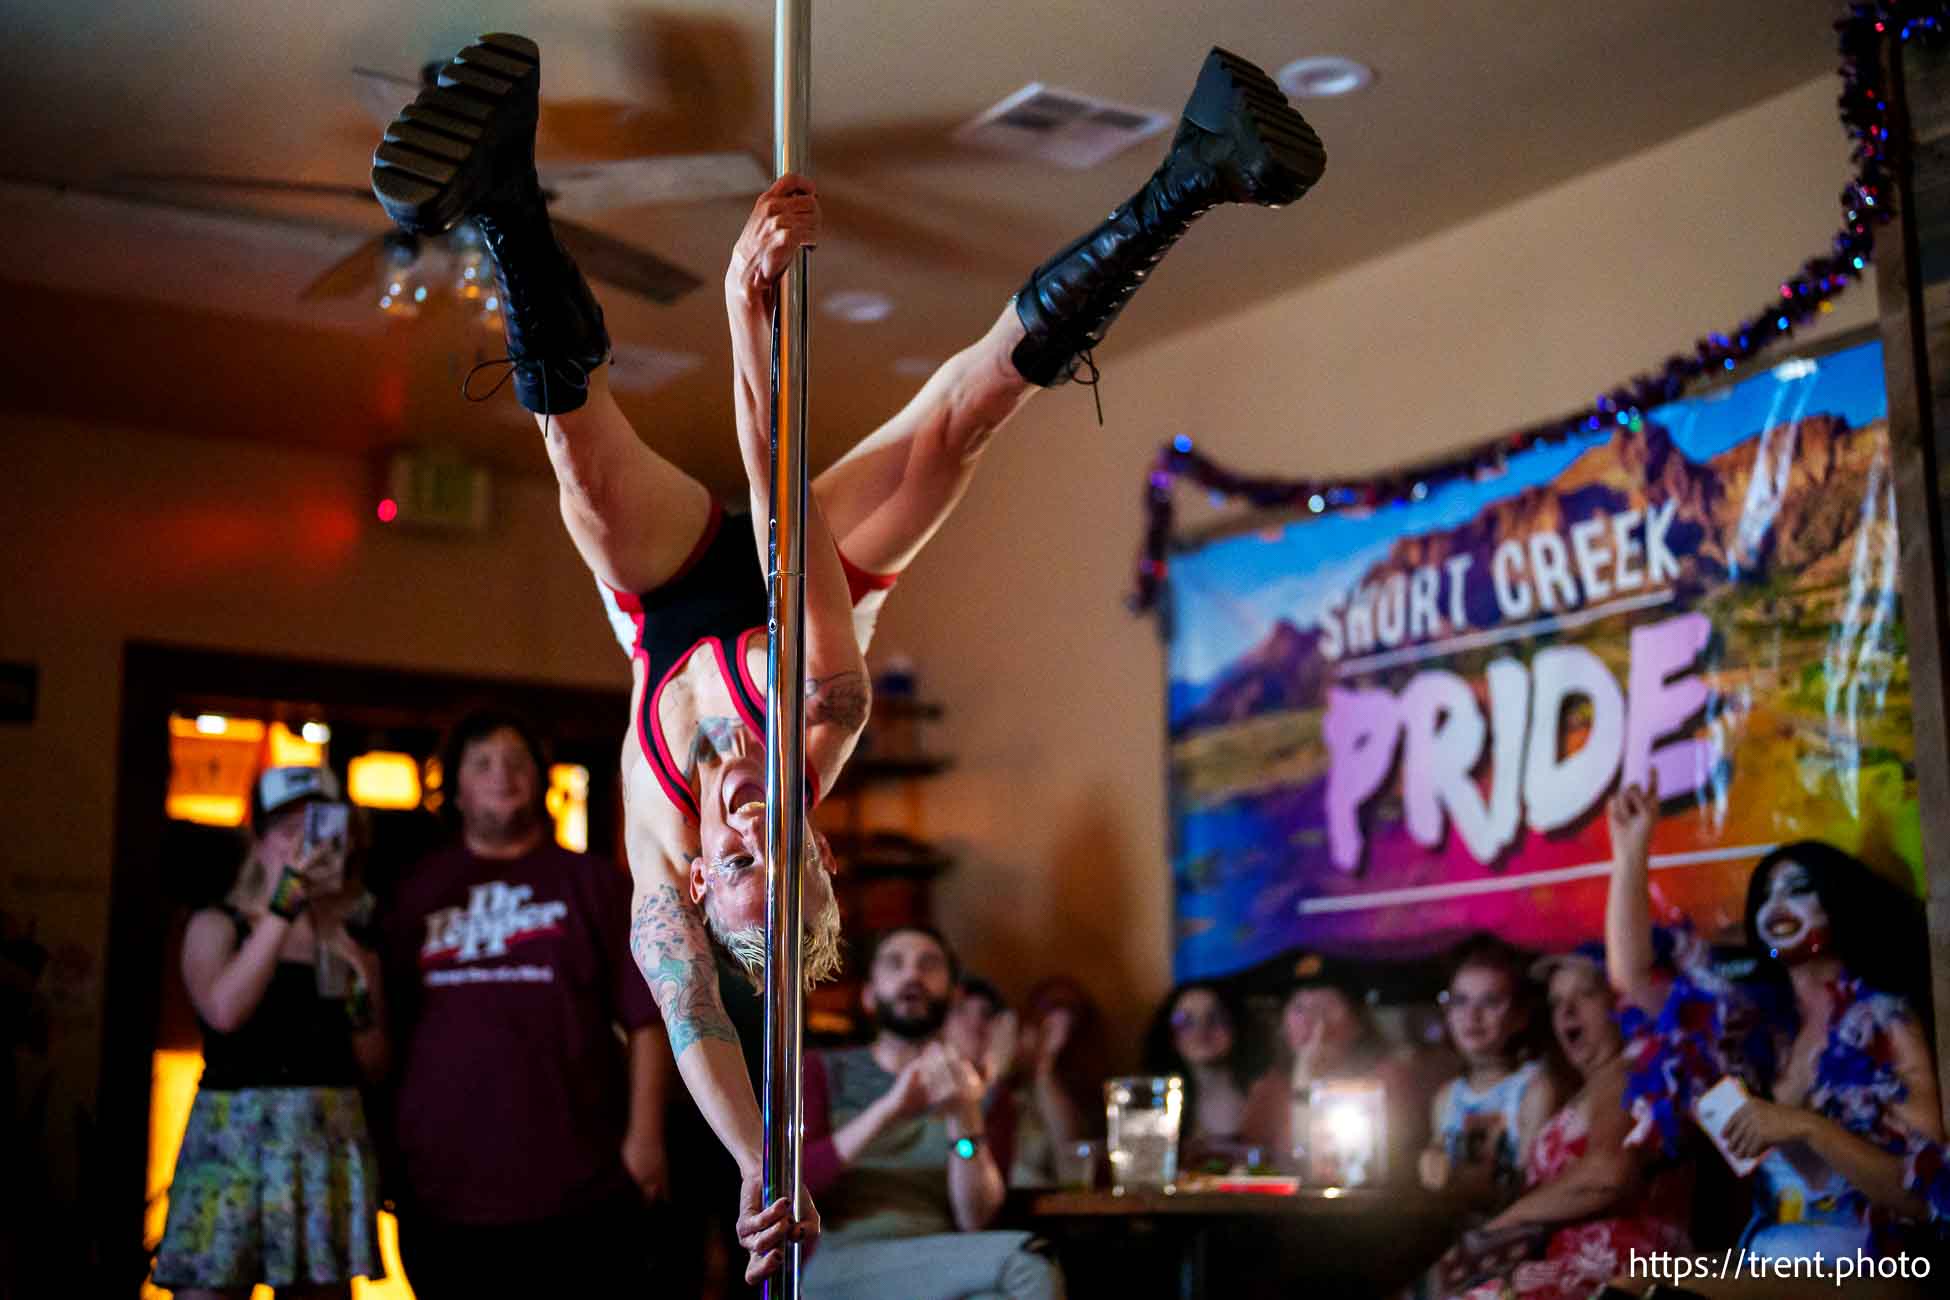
[672, 949]
[668, 939]
[836, 711]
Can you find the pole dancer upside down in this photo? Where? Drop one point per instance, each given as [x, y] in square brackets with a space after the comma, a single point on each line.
[687, 599]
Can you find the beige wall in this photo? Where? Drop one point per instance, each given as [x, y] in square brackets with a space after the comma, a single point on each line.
[1015, 614]
[109, 535]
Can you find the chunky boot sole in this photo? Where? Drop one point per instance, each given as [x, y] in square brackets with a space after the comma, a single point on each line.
[434, 165]
[1269, 155]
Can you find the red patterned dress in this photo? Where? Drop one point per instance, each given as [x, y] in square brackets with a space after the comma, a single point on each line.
[1582, 1255]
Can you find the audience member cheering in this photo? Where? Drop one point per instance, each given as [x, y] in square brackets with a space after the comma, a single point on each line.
[1059, 1090]
[276, 1182]
[1589, 1203]
[1824, 1037]
[904, 1155]
[1485, 1120]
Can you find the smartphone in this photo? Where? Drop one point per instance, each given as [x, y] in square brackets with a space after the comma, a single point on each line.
[326, 824]
[1715, 1108]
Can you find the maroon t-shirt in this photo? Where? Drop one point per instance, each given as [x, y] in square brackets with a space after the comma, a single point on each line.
[506, 979]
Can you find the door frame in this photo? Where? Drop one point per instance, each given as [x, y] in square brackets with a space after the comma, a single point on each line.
[156, 677]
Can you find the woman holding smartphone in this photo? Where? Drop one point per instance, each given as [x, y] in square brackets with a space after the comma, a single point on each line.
[276, 1181]
[1823, 1036]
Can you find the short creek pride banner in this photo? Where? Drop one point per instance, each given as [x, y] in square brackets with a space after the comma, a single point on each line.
[1395, 726]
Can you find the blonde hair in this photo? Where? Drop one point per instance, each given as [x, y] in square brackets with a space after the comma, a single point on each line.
[820, 952]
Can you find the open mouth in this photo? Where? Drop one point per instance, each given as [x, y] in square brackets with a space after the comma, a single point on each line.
[1783, 927]
[746, 797]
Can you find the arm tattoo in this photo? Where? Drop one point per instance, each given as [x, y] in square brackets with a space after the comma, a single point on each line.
[668, 939]
[842, 699]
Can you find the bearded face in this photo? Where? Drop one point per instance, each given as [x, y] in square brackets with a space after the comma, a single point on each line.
[1792, 921]
[910, 987]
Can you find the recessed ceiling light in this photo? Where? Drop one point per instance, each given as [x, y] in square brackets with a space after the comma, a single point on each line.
[858, 306]
[1324, 76]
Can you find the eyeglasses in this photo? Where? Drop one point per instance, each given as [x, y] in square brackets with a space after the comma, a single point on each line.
[1183, 1020]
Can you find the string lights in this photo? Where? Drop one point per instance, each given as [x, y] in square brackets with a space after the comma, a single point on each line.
[1866, 203]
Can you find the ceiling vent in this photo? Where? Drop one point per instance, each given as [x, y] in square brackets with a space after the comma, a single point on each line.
[1063, 127]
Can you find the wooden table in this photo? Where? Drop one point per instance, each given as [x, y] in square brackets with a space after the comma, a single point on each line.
[1341, 1241]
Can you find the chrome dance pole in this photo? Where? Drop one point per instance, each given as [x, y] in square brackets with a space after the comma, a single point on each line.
[785, 669]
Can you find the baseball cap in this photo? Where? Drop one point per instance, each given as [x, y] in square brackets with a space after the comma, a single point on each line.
[1591, 955]
[279, 788]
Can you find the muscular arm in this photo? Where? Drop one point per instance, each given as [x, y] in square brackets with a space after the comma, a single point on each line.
[832, 652]
[836, 671]
[673, 950]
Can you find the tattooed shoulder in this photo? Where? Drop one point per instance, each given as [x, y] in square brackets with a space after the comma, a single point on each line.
[715, 736]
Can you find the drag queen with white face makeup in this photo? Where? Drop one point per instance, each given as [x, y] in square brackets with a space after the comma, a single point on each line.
[1791, 920]
[1842, 1079]
[1857, 1083]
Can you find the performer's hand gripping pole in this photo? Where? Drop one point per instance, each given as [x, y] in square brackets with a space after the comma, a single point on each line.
[785, 671]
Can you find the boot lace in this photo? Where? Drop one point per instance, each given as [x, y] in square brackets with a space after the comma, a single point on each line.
[1084, 358]
[579, 382]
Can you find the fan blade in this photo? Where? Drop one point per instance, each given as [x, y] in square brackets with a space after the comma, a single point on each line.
[352, 274]
[847, 218]
[382, 94]
[606, 258]
[237, 218]
[585, 188]
[242, 184]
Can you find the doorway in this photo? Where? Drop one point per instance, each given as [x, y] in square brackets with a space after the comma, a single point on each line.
[196, 727]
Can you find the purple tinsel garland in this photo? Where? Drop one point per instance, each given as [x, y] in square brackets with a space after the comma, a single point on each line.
[1865, 205]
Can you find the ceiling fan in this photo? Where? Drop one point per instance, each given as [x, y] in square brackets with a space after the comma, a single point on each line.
[572, 189]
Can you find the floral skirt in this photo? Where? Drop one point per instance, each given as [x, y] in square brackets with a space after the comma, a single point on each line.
[272, 1185]
[1583, 1257]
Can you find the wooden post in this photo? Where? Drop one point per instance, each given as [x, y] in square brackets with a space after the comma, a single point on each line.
[1913, 289]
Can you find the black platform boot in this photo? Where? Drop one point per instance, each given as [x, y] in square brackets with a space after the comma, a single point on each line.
[464, 149]
[1239, 142]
